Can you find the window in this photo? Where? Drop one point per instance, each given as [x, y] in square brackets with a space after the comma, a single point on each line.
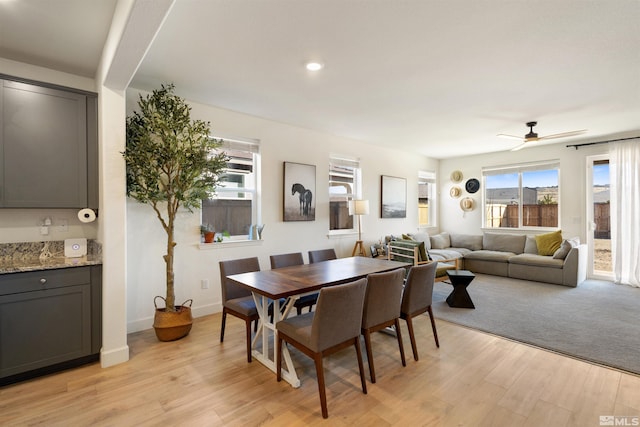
[522, 196]
[426, 199]
[235, 206]
[344, 185]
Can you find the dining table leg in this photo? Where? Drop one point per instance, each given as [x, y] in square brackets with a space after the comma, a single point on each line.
[267, 333]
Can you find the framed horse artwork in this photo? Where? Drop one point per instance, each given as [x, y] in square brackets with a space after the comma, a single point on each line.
[299, 202]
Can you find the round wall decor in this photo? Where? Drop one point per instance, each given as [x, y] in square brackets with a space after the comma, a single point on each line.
[455, 192]
[467, 204]
[456, 176]
[472, 185]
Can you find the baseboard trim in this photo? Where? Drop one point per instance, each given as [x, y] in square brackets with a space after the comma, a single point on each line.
[114, 357]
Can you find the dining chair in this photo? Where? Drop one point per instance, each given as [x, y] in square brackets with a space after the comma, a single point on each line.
[286, 260]
[382, 310]
[333, 326]
[416, 299]
[237, 300]
[322, 255]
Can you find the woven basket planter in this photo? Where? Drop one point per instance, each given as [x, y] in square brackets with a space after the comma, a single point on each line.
[171, 326]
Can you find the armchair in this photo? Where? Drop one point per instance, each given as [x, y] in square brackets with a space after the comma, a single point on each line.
[414, 252]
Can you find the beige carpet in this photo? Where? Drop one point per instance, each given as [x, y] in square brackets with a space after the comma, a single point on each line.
[598, 321]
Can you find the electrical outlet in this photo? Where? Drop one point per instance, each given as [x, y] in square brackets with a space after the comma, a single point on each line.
[204, 284]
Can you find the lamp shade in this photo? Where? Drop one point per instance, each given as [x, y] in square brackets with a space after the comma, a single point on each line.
[359, 207]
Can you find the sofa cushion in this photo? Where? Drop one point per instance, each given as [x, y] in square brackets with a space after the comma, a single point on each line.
[494, 256]
[530, 245]
[451, 253]
[504, 242]
[466, 241]
[458, 251]
[440, 241]
[536, 260]
[549, 243]
[421, 237]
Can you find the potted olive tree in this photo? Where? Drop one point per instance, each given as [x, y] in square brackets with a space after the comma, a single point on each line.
[170, 165]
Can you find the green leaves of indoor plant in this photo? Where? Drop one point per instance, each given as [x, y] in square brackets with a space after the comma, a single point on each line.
[170, 163]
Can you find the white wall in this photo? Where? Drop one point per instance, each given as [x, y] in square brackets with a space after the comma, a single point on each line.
[573, 185]
[146, 241]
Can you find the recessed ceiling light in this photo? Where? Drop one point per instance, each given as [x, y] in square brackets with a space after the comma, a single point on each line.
[314, 66]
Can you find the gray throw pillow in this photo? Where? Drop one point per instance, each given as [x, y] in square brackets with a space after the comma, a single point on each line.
[440, 241]
[422, 237]
[530, 246]
[563, 250]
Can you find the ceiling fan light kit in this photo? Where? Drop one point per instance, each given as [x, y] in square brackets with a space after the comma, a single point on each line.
[533, 136]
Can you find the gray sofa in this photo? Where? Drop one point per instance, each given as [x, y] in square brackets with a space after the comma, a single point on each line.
[510, 255]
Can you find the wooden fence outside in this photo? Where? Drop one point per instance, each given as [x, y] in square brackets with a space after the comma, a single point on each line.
[602, 219]
[506, 216]
[232, 216]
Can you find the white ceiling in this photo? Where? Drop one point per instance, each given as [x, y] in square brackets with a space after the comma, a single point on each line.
[440, 78]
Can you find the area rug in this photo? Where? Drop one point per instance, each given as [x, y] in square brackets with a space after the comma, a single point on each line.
[598, 321]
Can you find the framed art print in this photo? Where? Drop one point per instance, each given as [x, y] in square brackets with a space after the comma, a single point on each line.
[394, 197]
[299, 192]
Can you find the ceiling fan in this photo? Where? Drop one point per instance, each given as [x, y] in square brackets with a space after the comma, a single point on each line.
[533, 137]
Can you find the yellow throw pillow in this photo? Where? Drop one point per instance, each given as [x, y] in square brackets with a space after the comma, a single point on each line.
[549, 243]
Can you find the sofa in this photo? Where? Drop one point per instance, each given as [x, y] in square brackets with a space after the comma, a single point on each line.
[543, 258]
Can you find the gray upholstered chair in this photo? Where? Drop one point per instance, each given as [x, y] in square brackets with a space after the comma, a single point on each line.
[286, 260]
[333, 326]
[382, 309]
[322, 255]
[417, 297]
[237, 300]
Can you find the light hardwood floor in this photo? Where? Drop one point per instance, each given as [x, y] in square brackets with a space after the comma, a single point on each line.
[474, 379]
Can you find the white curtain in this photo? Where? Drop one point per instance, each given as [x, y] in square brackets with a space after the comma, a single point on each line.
[624, 171]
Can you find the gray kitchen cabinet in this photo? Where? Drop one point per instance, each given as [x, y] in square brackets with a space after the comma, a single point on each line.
[48, 146]
[49, 320]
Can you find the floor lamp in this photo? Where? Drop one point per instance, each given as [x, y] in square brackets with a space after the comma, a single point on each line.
[359, 208]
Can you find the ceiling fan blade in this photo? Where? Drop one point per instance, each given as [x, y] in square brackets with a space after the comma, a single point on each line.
[519, 147]
[564, 134]
[503, 135]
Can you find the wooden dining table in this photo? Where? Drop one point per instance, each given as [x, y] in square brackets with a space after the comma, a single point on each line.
[290, 283]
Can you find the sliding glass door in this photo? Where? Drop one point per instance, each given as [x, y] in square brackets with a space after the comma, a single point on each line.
[598, 219]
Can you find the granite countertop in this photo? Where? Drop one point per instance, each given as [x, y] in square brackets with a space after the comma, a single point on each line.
[36, 256]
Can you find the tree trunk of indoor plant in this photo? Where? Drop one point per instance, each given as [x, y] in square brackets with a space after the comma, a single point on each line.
[168, 259]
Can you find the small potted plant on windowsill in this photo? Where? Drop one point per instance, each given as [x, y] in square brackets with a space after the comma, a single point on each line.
[208, 232]
[220, 236]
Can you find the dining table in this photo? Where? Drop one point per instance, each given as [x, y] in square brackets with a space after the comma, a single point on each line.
[281, 287]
